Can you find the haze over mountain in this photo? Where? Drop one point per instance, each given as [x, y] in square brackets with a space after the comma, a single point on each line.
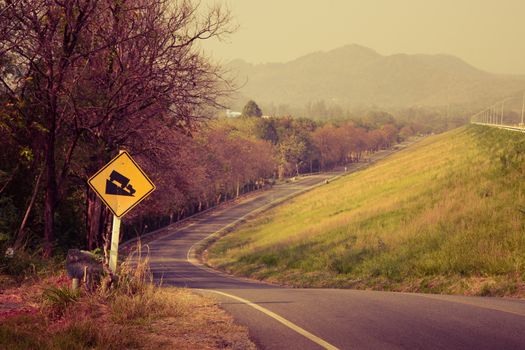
[356, 76]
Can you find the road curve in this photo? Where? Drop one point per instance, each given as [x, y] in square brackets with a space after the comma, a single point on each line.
[293, 318]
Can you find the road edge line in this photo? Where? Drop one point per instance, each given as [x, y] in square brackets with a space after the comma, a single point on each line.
[284, 321]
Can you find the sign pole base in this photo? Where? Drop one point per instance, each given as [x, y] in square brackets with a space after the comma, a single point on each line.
[115, 236]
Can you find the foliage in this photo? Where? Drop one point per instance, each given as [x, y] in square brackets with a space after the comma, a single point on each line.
[8, 219]
[26, 265]
[97, 77]
[138, 82]
[251, 109]
[59, 298]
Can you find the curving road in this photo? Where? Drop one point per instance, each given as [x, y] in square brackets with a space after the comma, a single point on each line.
[289, 318]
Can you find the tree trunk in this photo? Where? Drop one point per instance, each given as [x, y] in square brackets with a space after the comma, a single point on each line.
[11, 177]
[51, 190]
[94, 220]
[106, 223]
[281, 172]
[20, 237]
[95, 210]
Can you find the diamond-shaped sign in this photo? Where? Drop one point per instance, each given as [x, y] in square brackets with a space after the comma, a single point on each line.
[121, 184]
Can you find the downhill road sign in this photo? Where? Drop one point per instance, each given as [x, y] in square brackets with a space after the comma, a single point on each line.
[121, 184]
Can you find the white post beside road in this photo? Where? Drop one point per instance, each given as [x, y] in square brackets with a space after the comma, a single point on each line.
[501, 119]
[115, 236]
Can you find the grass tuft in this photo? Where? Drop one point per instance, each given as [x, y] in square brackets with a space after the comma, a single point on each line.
[59, 298]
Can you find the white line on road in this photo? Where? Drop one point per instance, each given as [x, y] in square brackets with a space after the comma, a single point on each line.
[276, 317]
[192, 259]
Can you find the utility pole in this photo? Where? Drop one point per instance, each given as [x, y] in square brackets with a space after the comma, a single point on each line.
[501, 118]
[522, 109]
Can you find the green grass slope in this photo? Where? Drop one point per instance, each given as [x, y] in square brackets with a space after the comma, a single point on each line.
[445, 215]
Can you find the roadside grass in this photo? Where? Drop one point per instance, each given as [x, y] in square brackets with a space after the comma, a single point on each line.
[135, 314]
[445, 215]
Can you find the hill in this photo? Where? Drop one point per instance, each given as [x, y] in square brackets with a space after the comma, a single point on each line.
[444, 215]
[356, 76]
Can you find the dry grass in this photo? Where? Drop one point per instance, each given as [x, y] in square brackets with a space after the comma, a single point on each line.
[440, 216]
[201, 325]
[134, 314]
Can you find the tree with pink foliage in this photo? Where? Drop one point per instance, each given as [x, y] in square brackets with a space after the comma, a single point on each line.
[99, 75]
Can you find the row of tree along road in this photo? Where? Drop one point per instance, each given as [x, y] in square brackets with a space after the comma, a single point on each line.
[80, 80]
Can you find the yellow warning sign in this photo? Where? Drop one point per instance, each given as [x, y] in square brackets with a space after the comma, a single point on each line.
[121, 184]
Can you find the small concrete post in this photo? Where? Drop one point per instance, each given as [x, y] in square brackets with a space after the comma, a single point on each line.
[115, 235]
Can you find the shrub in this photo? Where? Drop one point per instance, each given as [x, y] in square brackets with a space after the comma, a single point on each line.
[59, 298]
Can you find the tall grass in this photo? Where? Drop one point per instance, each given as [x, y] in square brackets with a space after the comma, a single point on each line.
[137, 299]
[445, 215]
[133, 314]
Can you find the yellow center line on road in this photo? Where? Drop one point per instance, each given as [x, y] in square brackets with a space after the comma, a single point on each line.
[281, 319]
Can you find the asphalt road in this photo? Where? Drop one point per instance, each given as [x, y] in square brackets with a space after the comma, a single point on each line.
[289, 318]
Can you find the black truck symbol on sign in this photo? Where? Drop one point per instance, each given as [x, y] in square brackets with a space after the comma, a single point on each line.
[119, 185]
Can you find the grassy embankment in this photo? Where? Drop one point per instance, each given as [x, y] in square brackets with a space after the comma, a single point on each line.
[41, 312]
[445, 215]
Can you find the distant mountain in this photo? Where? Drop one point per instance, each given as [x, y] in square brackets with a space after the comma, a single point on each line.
[356, 76]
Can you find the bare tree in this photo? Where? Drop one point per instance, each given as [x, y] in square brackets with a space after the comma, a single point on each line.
[105, 74]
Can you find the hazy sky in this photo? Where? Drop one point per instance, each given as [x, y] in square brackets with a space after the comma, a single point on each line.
[489, 34]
